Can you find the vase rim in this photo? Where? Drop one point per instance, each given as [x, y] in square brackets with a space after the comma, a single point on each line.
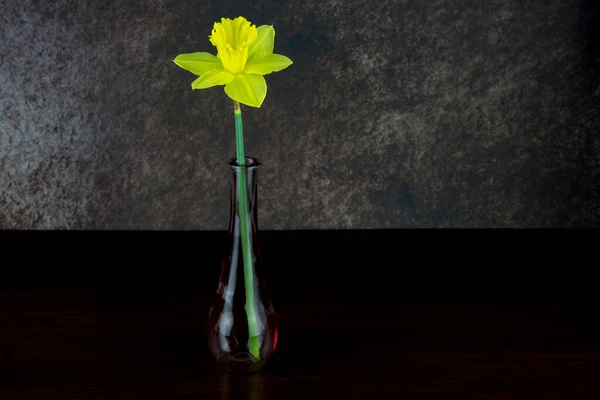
[251, 162]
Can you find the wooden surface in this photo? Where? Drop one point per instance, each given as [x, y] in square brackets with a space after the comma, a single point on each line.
[73, 329]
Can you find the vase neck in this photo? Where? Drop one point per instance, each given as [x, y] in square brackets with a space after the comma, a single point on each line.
[243, 177]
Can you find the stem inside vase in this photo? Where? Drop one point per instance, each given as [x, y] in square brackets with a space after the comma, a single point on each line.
[245, 234]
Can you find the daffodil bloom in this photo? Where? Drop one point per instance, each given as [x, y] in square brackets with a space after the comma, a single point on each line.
[244, 56]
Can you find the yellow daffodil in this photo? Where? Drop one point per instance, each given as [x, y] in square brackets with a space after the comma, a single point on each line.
[244, 56]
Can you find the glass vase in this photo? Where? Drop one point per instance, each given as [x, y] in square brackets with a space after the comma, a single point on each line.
[242, 326]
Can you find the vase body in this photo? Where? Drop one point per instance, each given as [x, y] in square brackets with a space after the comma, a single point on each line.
[241, 325]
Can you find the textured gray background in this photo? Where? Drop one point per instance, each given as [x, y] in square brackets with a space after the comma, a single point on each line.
[424, 113]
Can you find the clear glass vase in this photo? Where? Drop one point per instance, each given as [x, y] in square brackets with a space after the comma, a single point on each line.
[242, 326]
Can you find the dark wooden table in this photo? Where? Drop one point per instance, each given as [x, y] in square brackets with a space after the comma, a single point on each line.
[379, 314]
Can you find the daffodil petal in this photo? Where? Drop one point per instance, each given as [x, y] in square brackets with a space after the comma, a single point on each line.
[268, 64]
[212, 78]
[248, 89]
[198, 63]
[264, 43]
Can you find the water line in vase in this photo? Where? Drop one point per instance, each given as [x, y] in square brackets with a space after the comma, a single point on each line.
[245, 234]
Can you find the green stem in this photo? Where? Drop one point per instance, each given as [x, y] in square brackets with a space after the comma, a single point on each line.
[245, 234]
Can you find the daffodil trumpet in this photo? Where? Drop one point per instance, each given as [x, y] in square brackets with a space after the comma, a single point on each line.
[244, 56]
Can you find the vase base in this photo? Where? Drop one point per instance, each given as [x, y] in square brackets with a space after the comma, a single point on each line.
[241, 362]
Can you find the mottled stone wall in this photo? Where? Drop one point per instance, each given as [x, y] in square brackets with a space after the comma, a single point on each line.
[437, 113]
